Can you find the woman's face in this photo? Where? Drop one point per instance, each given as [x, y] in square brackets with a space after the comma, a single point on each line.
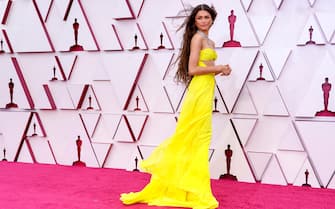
[203, 20]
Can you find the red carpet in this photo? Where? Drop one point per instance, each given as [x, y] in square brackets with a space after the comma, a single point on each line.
[36, 186]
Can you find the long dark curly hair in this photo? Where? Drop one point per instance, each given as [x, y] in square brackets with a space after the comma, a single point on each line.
[190, 29]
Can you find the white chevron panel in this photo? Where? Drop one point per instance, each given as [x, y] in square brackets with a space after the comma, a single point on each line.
[270, 124]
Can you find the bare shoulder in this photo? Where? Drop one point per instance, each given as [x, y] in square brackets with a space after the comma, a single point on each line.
[197, 37]
[197, 40]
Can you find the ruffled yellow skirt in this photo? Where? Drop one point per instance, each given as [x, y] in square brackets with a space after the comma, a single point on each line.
[179, 166]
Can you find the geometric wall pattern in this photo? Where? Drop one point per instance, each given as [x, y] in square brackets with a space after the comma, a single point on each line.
[122, 101]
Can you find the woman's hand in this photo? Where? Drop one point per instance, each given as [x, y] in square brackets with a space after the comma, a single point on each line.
[226, 70]
[223, 70]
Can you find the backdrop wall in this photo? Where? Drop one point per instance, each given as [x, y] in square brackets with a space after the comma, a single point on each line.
[274, 110]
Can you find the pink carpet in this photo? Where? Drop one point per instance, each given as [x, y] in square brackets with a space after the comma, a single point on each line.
[37, 186]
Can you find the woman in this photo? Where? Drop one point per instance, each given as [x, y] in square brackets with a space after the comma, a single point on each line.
[179, 166]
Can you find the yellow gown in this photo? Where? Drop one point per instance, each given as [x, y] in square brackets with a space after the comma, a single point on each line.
[179, 166]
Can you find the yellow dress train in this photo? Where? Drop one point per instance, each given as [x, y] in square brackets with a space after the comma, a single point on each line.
[179, 166]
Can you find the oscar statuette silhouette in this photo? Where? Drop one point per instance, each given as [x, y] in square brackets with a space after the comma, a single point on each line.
[11, 104]
[135, 40]
[231, 42]
[326, 87]
[4, 155]
[310, 30]
[260, 73]
[90, 103]
[1, 47]
[136, 164]
[54, 78]
[215, 105]
[228, 175]
[34, 127]
[137, 107]
[306, 184]
[79, 142]
[76, 46]
[161, 40]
